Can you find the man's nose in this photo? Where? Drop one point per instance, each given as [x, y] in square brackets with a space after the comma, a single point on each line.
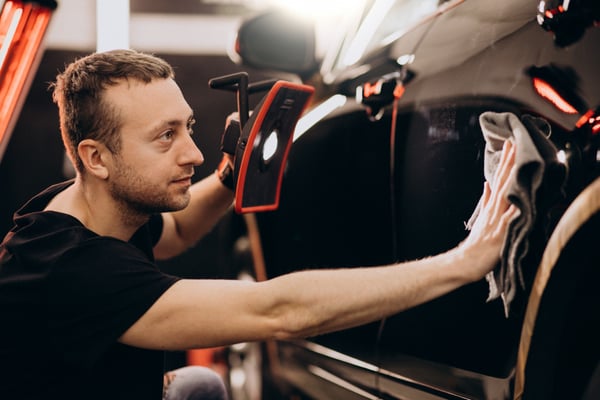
[191, 154]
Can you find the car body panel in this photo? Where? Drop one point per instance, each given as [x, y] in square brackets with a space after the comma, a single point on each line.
[356, 192]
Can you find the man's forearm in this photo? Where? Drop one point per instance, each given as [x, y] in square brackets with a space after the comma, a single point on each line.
[209, 201]
[201, 313]
[324, 301]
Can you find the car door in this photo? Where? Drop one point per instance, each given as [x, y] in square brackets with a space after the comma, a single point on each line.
[476, 57]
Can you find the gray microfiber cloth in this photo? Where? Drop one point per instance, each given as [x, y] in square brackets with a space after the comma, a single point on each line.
[536, 161]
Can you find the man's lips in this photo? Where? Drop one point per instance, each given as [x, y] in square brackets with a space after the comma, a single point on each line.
[185, 180]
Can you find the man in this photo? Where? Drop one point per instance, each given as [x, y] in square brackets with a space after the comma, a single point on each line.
[85, 312]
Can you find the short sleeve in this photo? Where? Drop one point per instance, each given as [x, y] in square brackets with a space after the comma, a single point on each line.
[96, 293]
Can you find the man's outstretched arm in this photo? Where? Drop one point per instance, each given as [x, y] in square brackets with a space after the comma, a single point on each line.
[204, 313]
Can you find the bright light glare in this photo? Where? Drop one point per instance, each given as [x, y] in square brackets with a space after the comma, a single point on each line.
[318, 113]
[238, 377]
[317, 9]
[8, 39]
[561, 156]
[366, 30]
[112, 25]
[330, 18]
[270, 146]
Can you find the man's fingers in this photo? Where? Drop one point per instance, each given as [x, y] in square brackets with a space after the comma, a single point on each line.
[497, 201]
[500, 200]
[487, 193]
[507, 160]
[503, 178]
[506, 217]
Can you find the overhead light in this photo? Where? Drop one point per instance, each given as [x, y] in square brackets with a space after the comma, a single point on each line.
[366, 31]
[23, 26]
[405, 59]
[112, 25]
[13, 22]
[318, 9]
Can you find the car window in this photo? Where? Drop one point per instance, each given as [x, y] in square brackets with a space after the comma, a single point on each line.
[383, 22]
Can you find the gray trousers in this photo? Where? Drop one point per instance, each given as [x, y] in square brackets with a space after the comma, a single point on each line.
[193, 383]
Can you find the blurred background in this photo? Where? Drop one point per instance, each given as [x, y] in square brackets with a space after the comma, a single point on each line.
[466, 59]
[195, 36]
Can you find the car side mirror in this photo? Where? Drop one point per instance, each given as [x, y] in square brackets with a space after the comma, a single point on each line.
[277, 41]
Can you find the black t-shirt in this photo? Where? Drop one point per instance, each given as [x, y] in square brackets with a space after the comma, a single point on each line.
[66, 296]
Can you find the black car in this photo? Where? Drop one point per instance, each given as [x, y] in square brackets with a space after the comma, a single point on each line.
[394, 172]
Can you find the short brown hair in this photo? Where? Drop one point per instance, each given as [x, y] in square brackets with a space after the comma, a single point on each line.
[78, 92]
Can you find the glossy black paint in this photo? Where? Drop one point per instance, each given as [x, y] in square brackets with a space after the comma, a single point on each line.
[346, 202]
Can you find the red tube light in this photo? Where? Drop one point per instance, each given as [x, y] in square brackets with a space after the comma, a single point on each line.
[546, 90]
[592, 119]
[22, 29]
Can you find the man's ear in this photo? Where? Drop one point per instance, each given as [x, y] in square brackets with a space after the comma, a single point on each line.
[94, 156]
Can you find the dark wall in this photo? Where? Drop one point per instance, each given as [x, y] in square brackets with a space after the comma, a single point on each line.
[34, 156]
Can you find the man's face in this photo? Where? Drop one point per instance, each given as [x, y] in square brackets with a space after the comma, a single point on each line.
[152, 171]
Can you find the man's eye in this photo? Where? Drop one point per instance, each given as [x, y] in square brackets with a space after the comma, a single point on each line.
[168, 135]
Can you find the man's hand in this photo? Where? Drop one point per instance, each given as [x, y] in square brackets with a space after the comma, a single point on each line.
[484, 244]
[229, 140]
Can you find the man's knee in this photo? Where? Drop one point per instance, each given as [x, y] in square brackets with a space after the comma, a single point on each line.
[194, 383]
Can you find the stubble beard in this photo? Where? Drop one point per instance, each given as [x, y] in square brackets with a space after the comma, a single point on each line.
[138, 197]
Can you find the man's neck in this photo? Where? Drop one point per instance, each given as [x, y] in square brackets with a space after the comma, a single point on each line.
[97, 210]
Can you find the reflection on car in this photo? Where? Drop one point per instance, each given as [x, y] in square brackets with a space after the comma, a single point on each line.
[394, 173]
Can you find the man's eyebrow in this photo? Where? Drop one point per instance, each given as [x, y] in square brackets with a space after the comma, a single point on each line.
[173, 122]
